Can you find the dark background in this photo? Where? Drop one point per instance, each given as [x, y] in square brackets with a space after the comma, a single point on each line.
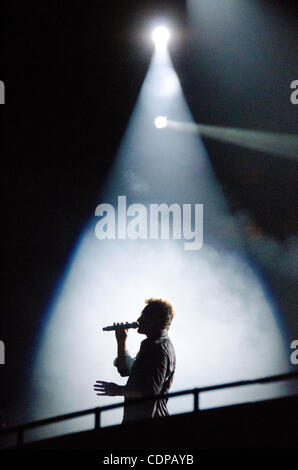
[73, 71]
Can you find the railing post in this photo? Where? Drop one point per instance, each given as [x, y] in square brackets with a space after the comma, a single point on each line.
[20, 437]
[97, 418]
[196, 400]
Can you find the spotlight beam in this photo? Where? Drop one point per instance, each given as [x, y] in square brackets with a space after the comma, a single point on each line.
[275, 143]
[161, 36]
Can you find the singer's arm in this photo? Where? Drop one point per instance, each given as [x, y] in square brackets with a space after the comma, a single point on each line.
[111, 389]
[123, 361]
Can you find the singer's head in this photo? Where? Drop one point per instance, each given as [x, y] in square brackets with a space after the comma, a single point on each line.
[156, 316]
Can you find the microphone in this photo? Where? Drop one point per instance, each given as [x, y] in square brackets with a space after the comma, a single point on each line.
[124, 326]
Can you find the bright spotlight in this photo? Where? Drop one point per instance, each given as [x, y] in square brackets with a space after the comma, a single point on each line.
[161, 122]
[160, 37]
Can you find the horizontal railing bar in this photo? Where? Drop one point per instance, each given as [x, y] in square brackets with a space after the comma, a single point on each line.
[274, 378]
[55, 419]
[78, 414]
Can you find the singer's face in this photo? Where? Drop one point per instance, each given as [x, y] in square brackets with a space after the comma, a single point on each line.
[145, 323]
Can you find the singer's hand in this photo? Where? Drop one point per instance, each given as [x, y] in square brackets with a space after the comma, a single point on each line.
[120, 332]
[107, 388]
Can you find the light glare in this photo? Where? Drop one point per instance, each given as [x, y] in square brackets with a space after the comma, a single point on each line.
[161, 36]
[161, 122]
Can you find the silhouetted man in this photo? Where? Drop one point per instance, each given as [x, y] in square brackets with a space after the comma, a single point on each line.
[152, 370]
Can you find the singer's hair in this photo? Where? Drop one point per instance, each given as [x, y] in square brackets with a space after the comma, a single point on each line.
[163, 309]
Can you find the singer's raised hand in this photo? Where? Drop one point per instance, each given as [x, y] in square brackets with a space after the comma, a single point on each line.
[107, 388]
[120, 332]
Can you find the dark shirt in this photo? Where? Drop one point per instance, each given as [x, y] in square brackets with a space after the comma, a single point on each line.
[151, 373]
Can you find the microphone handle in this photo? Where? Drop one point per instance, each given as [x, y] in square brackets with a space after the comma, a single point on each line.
[124, 326]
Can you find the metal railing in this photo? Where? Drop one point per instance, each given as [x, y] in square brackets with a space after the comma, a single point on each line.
[20, 429]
